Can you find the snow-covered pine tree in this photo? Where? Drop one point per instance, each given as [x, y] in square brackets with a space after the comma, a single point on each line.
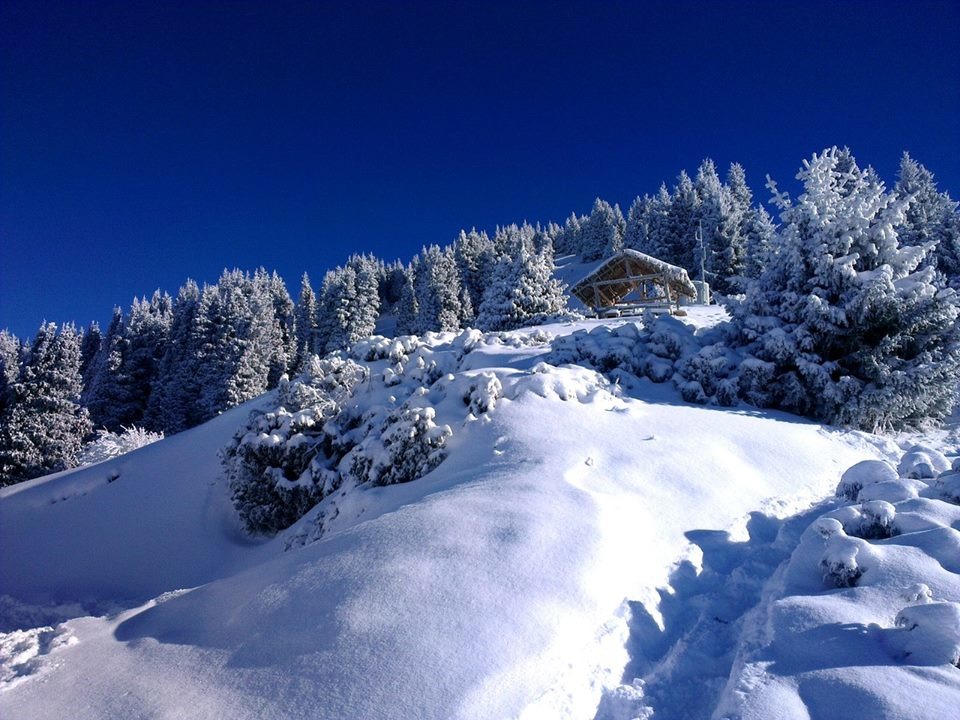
[283, 356]
[367, 309]
[474, 255]
[89, 347]
[602, 234]
[523, 290]
[146, 333]
[437, 285]
[172, 404]
[237, 334]
[721, 220]
[43, 427]
[932, 216]
[570, 239]
[408, 309]
[740, 192]
[676, 235]
[637, 233]
[758, 243]
[338, 299]
[852, 325]
[391, 286]
[102, 394]
[9, 365]
[658, 223]
[305, 324]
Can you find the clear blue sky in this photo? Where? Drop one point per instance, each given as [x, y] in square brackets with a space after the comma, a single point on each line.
[142, 143]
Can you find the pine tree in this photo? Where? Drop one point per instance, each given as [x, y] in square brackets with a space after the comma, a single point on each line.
[408, 309]
[89, 347]
[284, 354]
[758, 242]
[305, 324]
[391, 286]
[103, 393]
[722, 223]
[570, 239]
[145, 337]
[366, 312]
[603, 233]
[9, 366]
[172, 404]
[42, 428]
[637, 233]
[237, 337]
[522, 291]
[931, 217]
[474, 255]
[676, 236]
[853, 325]
[338, 297]
[437, 286]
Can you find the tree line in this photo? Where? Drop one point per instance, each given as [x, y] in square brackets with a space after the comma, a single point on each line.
[168, 364]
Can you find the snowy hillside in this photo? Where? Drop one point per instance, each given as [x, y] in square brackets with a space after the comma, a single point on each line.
[591, 546]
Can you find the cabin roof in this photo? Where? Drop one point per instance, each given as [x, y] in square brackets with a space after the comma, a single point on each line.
[615, 278]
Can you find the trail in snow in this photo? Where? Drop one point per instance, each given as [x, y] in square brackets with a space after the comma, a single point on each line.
[682, 651]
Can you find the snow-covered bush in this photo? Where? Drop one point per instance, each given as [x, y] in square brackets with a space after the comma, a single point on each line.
[109, 445]
[864, 473]
[876, 520]
[267, 467]
[707, 368]
[756, 380]
[666, 344]
[485, 390]
[838, 564]
[947, 487]
[932, 633]
[922, 462]
[408, 445]
[272, 462]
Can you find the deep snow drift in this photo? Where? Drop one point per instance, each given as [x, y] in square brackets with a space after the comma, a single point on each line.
[587, 549]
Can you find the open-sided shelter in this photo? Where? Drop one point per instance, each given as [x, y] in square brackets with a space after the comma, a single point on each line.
[631, 281]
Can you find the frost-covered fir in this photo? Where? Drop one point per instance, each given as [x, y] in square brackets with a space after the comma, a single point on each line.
[437, 287]
[474, 255]
[305, 323]
[237, 337]
[676, 241]
[101, 392]
[172, 404]
[9, 365]
[349, 304]
[43, 424]
[522, 291]
[932, 217]
[602, 234]
[849, 325]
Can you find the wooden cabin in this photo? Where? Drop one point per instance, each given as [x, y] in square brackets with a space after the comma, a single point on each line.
[632, 281]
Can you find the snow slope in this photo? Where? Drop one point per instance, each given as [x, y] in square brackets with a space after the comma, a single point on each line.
[558, 553]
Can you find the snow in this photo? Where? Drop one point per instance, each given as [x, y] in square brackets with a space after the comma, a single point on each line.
[591, 547]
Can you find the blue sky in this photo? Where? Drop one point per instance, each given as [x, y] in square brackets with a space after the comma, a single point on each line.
[144, 143]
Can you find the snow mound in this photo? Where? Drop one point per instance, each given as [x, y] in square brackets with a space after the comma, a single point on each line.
[866, 607]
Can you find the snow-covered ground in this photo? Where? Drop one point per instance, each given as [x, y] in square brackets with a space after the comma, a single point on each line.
[588, 549]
